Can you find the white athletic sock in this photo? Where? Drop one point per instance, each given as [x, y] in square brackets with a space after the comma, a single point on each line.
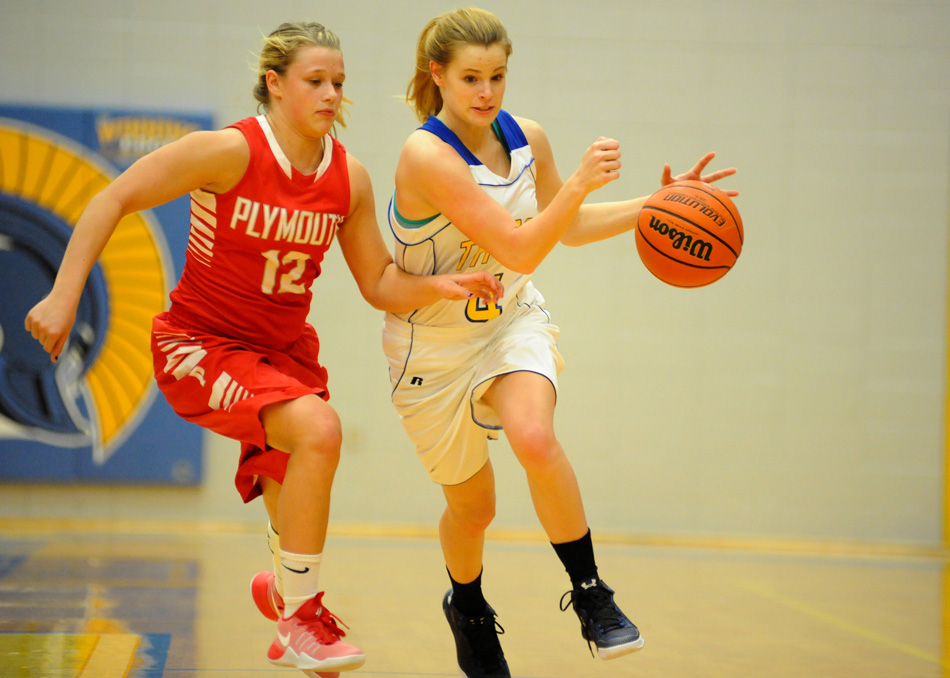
[273, 543]
[301, 579]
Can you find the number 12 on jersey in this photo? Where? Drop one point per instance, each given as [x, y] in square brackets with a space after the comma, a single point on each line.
[289, 281]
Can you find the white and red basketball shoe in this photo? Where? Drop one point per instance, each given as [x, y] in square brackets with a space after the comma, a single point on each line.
[264, 593]
[271, 605]
[311, 640]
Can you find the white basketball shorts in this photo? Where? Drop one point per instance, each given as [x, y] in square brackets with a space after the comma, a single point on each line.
[439, 375]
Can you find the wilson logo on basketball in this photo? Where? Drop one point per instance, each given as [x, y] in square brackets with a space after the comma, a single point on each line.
[700, 249]
[689, 233]
[697, 205]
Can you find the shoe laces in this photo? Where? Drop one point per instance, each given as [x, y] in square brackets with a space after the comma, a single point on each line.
[320, 621]
[598, 605]
[482, 634]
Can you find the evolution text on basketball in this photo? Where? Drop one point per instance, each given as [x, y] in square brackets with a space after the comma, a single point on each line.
[697, 205]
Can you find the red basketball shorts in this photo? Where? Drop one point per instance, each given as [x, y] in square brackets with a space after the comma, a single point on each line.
[222, 384]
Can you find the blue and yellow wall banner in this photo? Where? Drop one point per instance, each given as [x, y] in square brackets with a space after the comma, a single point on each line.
[94, 415]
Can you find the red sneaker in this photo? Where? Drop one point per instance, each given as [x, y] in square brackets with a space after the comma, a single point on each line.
[311, 640]
[264, 593]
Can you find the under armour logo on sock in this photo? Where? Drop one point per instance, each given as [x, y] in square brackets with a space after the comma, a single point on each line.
[588, 584]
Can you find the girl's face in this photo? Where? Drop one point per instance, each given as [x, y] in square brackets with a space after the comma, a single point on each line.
[472, 84]
[310, 93]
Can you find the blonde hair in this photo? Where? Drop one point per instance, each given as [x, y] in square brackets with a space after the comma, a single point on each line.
[280, 49]
[439, 41]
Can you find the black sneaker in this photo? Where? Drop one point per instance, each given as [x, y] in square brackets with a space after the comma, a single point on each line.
[476, 642]
[602, 622]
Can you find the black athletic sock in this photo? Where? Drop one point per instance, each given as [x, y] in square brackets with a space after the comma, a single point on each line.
[578, 559]
[468, 598]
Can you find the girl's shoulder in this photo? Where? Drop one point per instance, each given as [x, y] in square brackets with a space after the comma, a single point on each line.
[531, 129]
[225, 146]
[424, 148]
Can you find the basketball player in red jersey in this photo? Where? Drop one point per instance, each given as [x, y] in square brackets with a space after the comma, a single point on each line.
[234, 352]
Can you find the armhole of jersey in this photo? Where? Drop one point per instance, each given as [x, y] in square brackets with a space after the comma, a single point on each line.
[409, 223]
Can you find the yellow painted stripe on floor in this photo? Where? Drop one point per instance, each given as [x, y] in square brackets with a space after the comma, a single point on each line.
[212, 529]
[112, 656]
[842, 624]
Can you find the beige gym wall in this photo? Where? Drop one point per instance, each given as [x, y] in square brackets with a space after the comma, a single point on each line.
[799, 398]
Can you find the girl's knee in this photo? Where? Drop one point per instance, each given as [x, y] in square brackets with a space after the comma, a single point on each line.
[328, 429]
[323, 439]
[537, 449]
[473, 519]
[307, 427]
[472, 513]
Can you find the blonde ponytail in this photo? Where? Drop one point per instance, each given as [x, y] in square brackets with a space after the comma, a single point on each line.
[439, 41]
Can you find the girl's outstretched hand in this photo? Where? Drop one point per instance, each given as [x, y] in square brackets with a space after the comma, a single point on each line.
[467, 285]
[696, 174]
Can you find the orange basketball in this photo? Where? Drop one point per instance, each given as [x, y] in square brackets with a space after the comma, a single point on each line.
[689, 234]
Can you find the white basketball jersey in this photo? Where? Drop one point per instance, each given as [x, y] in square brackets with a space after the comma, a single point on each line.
[435, 246]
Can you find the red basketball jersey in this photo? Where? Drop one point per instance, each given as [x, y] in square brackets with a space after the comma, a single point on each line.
[254, 251]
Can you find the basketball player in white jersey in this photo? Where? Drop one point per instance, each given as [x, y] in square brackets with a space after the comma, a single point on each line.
[477, 190]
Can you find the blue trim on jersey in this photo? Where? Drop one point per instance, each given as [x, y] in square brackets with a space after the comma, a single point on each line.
[510, 135]
[513, 135]
[438, 128]
[512, 138]
[513, 181]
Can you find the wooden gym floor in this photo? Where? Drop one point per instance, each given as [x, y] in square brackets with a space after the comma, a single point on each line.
[110, 601]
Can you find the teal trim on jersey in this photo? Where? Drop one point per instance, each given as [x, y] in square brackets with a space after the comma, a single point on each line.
[496, 128]
[509, 131]
[410, 223]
